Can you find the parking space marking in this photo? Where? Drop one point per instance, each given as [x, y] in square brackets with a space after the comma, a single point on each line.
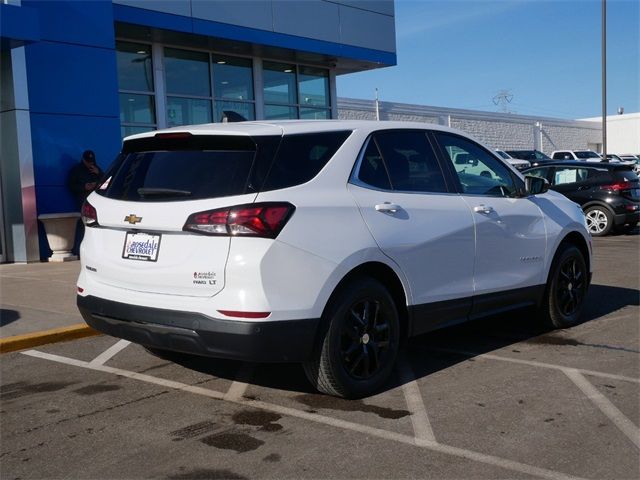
[110, 352]
[415, 403]
[241, 383]
[625, 425]
[314, 417]
[533, 363]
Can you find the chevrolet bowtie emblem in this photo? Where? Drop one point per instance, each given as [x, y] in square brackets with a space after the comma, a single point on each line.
[132, 219]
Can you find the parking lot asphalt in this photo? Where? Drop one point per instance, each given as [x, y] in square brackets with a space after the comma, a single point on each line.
[497, 398]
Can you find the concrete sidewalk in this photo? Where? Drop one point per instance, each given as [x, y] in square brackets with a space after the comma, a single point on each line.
[38, 301]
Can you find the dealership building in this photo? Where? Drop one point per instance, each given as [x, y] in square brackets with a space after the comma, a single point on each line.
[80, 75]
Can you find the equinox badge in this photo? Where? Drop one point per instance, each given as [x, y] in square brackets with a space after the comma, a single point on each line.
[132, 219]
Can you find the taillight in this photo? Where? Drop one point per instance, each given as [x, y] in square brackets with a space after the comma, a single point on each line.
[617, 187]
[89, 215]
[252, 220]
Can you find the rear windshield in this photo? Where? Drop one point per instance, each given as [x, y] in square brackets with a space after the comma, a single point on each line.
[586, 154]
[199, 167]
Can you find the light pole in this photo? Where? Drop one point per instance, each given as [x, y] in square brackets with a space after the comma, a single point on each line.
[604, 79]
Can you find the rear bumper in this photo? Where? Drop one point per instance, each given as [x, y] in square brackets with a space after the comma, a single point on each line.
[198, 334]
[626, 218]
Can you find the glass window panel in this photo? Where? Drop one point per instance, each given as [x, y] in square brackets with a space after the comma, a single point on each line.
[280, 112]
[188, 111]
[233, 78]
[314, 114]
[313, 84]
[135, 70]
[234, 111]
[137, 108]
[187, 72]
[279, 83]
[479, 172]
[126, 130]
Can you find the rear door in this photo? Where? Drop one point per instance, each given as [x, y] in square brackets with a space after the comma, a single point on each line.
[145, 201]
[577, 183]
[510, 232]
[407, 205]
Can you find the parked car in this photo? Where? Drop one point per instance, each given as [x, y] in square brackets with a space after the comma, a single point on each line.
[535, 157]
[612, 157]
[517, 163]
[321, 242]
[585, 155]
[609, 193]
[634, 159]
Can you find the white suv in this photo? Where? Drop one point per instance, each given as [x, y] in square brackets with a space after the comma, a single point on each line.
[321, 242]
[580, 155]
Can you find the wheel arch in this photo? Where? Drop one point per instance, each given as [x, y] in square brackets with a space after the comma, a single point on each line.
[597, 203]
[577, 239]
[384, 274]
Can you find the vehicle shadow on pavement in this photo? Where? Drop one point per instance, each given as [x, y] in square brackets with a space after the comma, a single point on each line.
[8, 316]
[425, 353]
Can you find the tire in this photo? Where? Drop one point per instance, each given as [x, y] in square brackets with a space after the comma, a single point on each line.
[356, 355]
[566, 289]
[599, 220]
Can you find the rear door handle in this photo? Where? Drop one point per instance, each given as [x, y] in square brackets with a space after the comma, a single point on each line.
[387, 207]
[483, 209]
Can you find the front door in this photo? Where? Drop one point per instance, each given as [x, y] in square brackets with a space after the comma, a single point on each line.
[510, 232]
[417, 222]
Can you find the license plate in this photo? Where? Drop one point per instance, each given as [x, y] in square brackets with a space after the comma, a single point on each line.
[141, 246]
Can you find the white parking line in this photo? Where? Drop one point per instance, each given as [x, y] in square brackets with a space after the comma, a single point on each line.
[240, 384]
[110, 352]
[415, 403]
[625, 425]
[375, 432]
[533, 363]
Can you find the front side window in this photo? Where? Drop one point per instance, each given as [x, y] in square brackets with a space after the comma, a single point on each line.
[584, 154]
[479, 172]
[410, 161]
[564, 175]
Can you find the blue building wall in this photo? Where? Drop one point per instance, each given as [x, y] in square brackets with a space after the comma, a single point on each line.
[73, 95]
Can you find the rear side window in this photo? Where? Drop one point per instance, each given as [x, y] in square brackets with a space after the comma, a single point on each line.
[301, 157]
[411, 162]
[372, 169]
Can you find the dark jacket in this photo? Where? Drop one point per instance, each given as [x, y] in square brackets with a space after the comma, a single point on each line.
[78, 176]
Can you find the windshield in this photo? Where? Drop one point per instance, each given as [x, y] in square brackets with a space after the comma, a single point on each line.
[528, 154]
[586, 154]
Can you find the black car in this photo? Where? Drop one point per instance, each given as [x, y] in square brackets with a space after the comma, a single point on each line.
[535, 157]
[609, 193]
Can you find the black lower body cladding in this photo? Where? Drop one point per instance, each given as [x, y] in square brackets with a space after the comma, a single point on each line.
[198, 334]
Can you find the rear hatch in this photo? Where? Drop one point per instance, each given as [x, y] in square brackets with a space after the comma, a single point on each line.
[154, 186]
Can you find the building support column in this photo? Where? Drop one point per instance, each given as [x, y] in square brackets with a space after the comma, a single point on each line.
[258, 88]
[18, 184]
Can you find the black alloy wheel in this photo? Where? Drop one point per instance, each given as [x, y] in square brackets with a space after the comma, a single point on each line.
[567, 288]
[358, 342]
[570, 286]
[365, 339]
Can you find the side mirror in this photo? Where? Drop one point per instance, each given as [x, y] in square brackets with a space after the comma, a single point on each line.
[536, 185]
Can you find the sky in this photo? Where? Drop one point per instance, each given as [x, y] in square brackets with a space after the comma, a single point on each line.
[546, 53]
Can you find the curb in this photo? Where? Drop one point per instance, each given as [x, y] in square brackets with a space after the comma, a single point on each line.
[44, 337]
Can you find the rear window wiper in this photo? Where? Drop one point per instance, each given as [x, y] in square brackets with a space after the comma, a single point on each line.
[163, 192]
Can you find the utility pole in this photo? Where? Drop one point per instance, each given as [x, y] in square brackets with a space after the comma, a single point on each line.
[604, 79]
[377, 106]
